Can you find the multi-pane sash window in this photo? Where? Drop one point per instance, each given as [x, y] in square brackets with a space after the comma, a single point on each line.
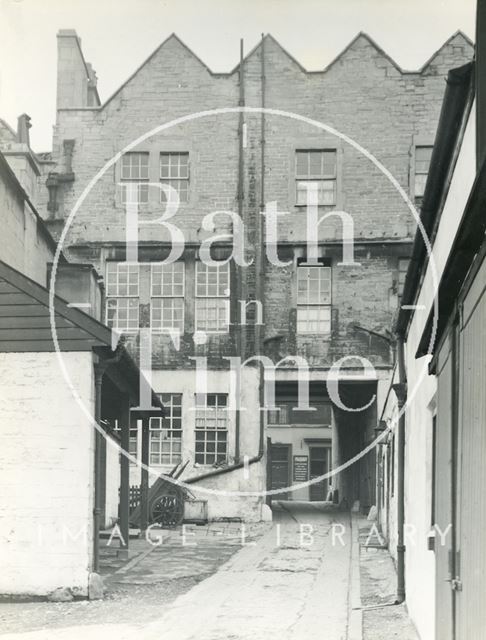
[314, 299]
[212, 297]
[166, 432]
[212, 429]
[122, 279]
[316, 170]
[423, 155]
[174, 171]
[167, 297]
[135, 169]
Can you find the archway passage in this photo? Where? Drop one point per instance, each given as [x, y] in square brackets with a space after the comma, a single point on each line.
[353, 431]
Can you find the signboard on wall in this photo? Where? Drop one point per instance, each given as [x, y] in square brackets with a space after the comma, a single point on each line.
[301, 468]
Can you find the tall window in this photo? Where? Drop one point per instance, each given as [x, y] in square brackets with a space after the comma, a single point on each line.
[122, 280]
[167, 297]
[174, 171]
[166, 432]
[314, 299]
[133, 442]
[316, 169]
[423, 155]
[402, 274]
[135, 169]
[212, 429]
[212, 297]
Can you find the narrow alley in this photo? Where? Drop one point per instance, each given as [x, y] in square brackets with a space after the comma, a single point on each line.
[292, 580]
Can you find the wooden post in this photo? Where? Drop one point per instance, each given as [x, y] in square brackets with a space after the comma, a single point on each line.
[125, 481]
[144, 484]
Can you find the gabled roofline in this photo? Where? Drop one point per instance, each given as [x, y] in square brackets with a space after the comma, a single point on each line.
[268, 36]
[366, 36]
[454, 35]
[149, 58]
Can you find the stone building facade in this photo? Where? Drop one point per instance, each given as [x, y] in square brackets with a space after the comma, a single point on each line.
[348, 131]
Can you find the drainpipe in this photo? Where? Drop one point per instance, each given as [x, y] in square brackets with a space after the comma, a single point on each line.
[400, 390]
[260, 260]
[240, 341]
[259, 276]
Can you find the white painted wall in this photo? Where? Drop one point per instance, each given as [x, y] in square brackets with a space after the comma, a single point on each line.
[46, 473]
[180, 381]
[419, 562]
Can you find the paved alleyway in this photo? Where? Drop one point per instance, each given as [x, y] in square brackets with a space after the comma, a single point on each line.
[292, 583]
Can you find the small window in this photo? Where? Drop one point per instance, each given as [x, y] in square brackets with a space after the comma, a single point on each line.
[314, 299]
[423, 155]
[316, 170]
[174, 171]
[167, 297]
[135, 173]
[122, 301]
[212, 429]
[212, 297]
[166, 432]
[288, 413]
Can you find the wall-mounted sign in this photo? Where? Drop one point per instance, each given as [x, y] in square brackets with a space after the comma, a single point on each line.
[301, 468]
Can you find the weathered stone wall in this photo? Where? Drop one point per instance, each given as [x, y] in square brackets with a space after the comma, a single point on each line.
[22, 247]
[363, 95]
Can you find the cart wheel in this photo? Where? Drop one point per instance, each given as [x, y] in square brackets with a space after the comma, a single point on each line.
[168, 510]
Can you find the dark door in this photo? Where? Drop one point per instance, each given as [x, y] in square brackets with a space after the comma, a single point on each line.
[318, 467]
[280, 469]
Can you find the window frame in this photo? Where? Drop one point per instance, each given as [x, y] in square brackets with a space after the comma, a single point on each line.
[221, 434]
[120, 297]
[175, 180]
[142, 182]
[316, 177]
[200, 297]
[308, 305]
[166, 424]
[161, 297]
[419, 144]
[285, 409]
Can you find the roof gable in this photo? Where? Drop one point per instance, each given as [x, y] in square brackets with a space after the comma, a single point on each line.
[457, 39]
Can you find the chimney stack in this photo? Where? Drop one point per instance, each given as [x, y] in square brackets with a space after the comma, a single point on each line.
[23, 126]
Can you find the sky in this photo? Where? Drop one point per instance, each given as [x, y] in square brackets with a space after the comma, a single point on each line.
[117, 36]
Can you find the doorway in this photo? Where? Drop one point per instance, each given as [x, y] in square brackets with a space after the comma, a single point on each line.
[319, 465]
[280, 469]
